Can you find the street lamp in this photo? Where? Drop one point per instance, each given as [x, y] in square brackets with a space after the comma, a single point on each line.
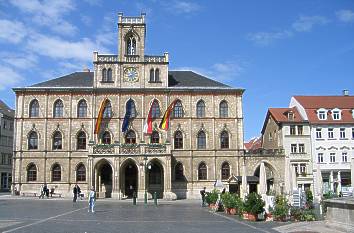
[146, 166]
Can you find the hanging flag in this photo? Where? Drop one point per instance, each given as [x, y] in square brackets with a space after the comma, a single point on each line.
[148, 121]
[128, 113]
[100, 115]
[165, 122]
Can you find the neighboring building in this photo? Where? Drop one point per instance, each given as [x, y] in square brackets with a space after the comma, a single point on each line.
[6, 145]
[331, 121]
[253, 144]
[55, 121]
[285, 129]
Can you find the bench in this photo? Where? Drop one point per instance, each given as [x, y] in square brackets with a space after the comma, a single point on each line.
[55, 195]
[29, 194]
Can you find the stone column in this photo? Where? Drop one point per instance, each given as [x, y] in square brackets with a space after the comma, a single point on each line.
[115, 179]
[331, 186]
[352, 172]
[168, 194]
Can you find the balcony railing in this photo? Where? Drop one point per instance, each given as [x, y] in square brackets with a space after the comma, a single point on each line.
[107, 58]
[129, 149]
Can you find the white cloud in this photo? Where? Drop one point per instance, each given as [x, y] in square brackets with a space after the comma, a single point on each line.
[86, 20]
[9, 77]
[306, 23]
[18, 60]
[183, 7]
[345, 16]
[94, 2]
[266, 38]
[12, 31]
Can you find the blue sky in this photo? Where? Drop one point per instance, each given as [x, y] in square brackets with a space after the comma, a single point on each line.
[273, 49]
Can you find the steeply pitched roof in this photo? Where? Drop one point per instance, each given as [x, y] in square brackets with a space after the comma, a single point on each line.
[179, 79]
[280, 115]
[6, 110]
[253, 144]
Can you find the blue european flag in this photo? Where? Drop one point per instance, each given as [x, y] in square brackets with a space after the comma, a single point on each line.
[128, 113]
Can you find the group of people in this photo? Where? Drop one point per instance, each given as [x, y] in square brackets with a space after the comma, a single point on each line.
[91, 197]
[44, 191]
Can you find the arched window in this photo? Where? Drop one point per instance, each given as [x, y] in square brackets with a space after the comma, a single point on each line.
[178, 140]
[225, 171]
[155, 109]
[179, 176]
[33, 141]
[132, 109]
[223, 109]
[82, 108]
[157, 75]
[56, 172]
[130, 137]
[201, 140]
[200, 108]
[131, 45]
[202, 171]
[224, 140]
[155, 137]
[58, 109]
[178, 109]
[104, 75]
[109, 75]
[81, 140]
[106, 138]
[57, 141]
[34, 108]
[80, 173]
[31, 172]
[107, 113]
[152, 75]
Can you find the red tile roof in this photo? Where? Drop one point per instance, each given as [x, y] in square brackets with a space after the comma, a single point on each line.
[253, 144]
[280, 115]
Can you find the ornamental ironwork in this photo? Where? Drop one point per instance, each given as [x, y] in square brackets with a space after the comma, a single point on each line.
[103, 149]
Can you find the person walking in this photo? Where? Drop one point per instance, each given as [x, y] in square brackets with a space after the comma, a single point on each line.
[46, 191]
[75, 192]
[92, 200]
[41, 191]
[203, 193]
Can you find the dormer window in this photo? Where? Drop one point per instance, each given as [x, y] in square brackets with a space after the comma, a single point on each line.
[131, 45]
[290, 116]
[336, 114]
[322, 114]
[353, 113]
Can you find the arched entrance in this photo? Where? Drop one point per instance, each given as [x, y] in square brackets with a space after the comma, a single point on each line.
[270, 174]
[129, 182]
[104, 179]
[155, 178]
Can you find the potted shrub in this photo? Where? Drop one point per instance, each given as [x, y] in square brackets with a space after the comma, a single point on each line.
[231, 203]
[253, 206]
[281, 208]
[212, 197]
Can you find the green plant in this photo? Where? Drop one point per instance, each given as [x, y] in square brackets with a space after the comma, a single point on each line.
[230, 200]
[309, 199]
[295, 213]
[212, 197]
[307, 215]
[254, 204]
[281, 207]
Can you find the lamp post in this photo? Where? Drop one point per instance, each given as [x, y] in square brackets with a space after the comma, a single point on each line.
[145, 167]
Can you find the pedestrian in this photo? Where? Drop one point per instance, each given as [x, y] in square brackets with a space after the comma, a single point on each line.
[75, 192]
[46, 190]
[223, 191]
[41, 191]
[91, 200]
[79, 191]
[203, 193]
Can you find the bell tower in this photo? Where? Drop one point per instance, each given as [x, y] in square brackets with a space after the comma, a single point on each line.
[131, 38]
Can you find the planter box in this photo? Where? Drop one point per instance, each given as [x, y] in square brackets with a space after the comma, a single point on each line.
[231, 211]
[252, 217]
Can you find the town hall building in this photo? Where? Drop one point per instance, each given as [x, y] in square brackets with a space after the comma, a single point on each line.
[87, 128]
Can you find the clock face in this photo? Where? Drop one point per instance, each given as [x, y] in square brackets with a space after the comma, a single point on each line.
[131, 74]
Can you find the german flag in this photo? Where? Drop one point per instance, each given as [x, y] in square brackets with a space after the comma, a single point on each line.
[165, 122]
[100, 115]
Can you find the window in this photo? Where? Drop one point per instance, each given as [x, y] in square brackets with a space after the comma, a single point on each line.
[131, 105]
[104, 75]
[56, 173]
[300, 130]
[106, 138]
[81, 173]
[152, 75]
[155, 137]
[352, 133]
[330, 133]
[301, 148]
[34, 108]
[292, 130]
[344, 157]
[33, 141]
[293, 148]
[332, 157]
[290, 116]
[178, 140]
[342, 133]
[201, 140]
[58, 108]
[200, 109]
[178, 110]
[322, 114]
[270, 137]
[224, 140]
[81, 140]
[320, 157]
[57, 141]
[5, 124]
[303, 168]
[336, 114]
[82, 109]
[32, 172]
[318, 133]
[296, 169]
[225, 171]
[155, 109]
[131, 45]
[107, 113]
[130, 138]
[3, 159]
[202, 171]
[157, 75]
[109, 75]
[223, 109]
[179, 176]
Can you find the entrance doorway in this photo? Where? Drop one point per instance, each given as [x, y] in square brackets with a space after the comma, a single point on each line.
[155, 179]
[129, 178]
[104, 181]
